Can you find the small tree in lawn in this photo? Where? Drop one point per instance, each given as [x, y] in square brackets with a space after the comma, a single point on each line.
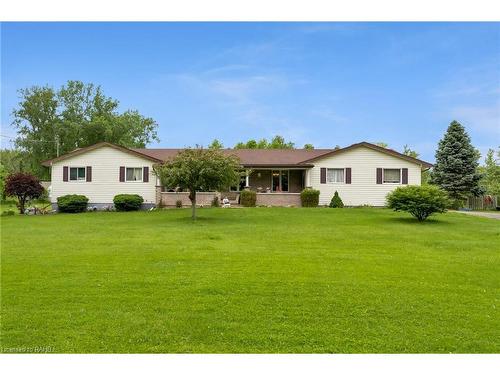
[24, 187]
[198, 169]
[456, 164]
[420, 201]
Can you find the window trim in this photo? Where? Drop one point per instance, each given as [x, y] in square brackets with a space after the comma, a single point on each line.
[333, 182]
[392, 183]
[132, 181]
[77, 180]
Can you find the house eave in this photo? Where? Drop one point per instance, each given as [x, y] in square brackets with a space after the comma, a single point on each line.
[278, 166]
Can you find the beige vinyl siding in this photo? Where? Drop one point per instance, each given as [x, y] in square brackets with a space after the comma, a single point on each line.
[364, 188]
[105, 163]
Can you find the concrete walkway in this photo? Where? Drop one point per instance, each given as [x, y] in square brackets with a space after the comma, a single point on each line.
[488, 214]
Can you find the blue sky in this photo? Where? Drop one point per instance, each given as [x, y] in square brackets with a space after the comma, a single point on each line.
[322, 83]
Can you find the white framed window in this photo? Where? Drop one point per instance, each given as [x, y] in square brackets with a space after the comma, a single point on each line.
[133, 174]
[335, 175]
[392, 176]
[77, 173]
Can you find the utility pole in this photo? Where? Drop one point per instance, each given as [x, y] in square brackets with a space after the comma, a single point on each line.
[57, 145]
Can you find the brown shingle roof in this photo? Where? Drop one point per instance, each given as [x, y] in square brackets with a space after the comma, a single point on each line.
[248, 157]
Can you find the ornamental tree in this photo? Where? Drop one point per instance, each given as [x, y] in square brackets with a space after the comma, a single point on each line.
[24, 187]
[198, 169]
[456, 164]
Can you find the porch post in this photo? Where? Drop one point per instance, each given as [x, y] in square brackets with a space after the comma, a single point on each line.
[247, 178]
[308, 177]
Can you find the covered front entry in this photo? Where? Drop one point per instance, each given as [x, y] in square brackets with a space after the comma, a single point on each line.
[276, 180]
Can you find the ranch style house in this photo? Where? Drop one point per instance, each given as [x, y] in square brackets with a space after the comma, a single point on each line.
[362, 173]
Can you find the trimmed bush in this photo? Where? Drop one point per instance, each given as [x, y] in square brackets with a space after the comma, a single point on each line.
[336, 202]
[248, 198]
[420, 201]
[309, 198]
[72, 203]
[178, 203]
[8, 213]
[127, 202]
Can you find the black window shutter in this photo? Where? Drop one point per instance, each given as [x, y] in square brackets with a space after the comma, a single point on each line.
[404, 176]
[145, 174]
[89, 174]
[322, 176]
[379, 175]
[122, 174]
[65, 174]
[348, 175]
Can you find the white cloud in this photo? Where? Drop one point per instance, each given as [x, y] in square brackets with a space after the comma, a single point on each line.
[485, 118]
[472, 96]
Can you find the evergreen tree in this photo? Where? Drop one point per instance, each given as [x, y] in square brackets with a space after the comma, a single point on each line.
[456, 164]
[336, 201]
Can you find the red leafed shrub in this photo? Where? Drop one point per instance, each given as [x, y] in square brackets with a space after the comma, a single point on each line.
[24, 187]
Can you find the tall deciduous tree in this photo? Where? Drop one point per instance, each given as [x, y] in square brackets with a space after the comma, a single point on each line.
[77, 115]
[491, 172]
[198, 169]
[216, 145]
[456, 164]
[277, 142]
[409, 152]
[13, 161]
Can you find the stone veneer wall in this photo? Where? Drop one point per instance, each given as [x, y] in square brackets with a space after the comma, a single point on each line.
[169, 199]
[278, 199]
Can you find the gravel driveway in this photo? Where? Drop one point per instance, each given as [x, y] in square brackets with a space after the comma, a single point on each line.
[490, 215]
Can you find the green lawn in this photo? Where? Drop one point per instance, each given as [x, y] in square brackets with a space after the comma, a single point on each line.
[11, 205]
[251, 280]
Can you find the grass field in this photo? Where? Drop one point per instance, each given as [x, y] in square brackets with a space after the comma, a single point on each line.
[250, 280]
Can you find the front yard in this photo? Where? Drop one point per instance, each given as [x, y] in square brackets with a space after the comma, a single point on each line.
[250, 280]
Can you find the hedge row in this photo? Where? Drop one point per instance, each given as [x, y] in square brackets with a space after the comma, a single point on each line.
[73, 203]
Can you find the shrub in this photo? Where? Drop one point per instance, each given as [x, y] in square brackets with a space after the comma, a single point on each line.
[24, 186]
[127, 202]
[248, 198]
[336, 202]
[215, 201]
[8, 213]
[420, 201]
[309, 198]
[72, 203]
[178, 203]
